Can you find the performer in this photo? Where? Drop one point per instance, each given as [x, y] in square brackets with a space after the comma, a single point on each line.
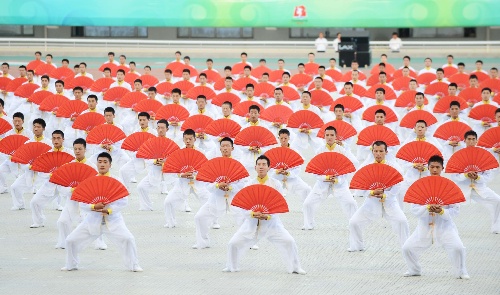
[435, 223]
[102, 219]
[120, 82]
[268, 225]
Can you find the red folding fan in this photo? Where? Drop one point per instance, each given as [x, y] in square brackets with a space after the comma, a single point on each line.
[389, 69]
[131, 99]
[149, 81]
[372, 80]
[369, 114]
[401, 83]
[115, 93]
[178, 71]
[358, 90]
[260, 198]
[135, 140]
[426, 78]
[321, 98]
[32, 65]
[327, 85]
[212, 75]
[459, 79]
[164, 88]
[258, 71]
[255, 136]
[226, 96]
[311, 68]
[472, 95]
[71, 174]
[344, 129]
[39, 96]
[220, 84]
[276, 76]
[241, 83]
[264, 90]
[449, 71]
[82, 81]
[131, 77]
[115, 70]
[194, 92]
[389, 93]
[99, 189]
[238, 68]
[4, 126]
[49, 162]
[197, 122]
[242, 108]
[350, 104]
[334, 74]
[71, 109]
[452, 131]
[184, 86]
[11, 143]
[443, 104]
[53, 102]
[330, 163]
[300, 80]
[223, 128]
[4, 81]
[490, 138]
[284, 158]
[172, 113]
[62, 73]
[493, 84]
[407, 99]
[374, 133]
[184, 160]
[28, 152]
[375, 176]
[221, 169]
[151, 106]
[481, 76]
[156, 148]
[44, 69]
[304, 119]
[471, 159]
[102, 85]
[410, 119]
[434, 190]
[26, 90]
[399, 73]
[109, 65]
[15, 83]
[105, 134]
[174, 65]
[88, 121]
[289, 93]
[417, 152]
[484, 113]
[276, 114]
[439, 89]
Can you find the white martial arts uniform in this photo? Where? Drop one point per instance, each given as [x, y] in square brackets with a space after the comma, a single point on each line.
[153, 181]
[7, 167]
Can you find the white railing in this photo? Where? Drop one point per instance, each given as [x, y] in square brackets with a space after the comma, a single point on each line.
[113, 43]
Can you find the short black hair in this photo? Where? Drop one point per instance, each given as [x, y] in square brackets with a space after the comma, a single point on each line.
[2, 103]
[470, 133]
[278, 89]
[168, 71]
[436, 159]
[229, 104]
[308, 93]
[455, 103]
[453, 84]
[284, 131]
[82, 63]
[249, 85]
[247, 67]
[263, 157]
[380, 111]
[105, 155]
[138, 81]
[380, 90]
[202, 97]
[227, 139]
[380, 143]
[421, 121]
[186, 71]
[60, 82]
[144, 114]
[254, 107]
[338, 106]
[497, 111]
[120, 71]
[111, 53]
[78, 88]
[109, 110]
[176, 90]
[487, 89]
[440, 70]
[228, 68]
[189, 132]
[202, 75]
[80, 141]
[92, 96]
[132, 63]
[162, 121]
[45, 77]
[152, 88]
[329, 128]
[58, 132]
[18, 115]
[40, 121]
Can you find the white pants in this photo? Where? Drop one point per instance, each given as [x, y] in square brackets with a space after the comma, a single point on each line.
[297, 186]
[491, 202]
[131, 169]
[45, 194]
[6, 168]
[206, 216]
[121, 237]
[144, 188]
[69, 216]
[313, 201]
[415, 246]
[23, 184]
[175, 198]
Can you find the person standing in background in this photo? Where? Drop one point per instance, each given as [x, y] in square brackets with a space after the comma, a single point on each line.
[321, 43]
[336, 42]
[395, 43]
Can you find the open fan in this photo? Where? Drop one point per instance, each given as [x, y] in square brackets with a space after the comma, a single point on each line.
[71, 174]
[449, 71]
[452, 131]
[311, 68]
[197, 122]
[327, 85]
[14, 84]
[105, 134]
[123, 67]
[258, 71]
[490, 138]
[131, 77]
[226, 96]
[52, 103]
[11, 143]
[434, 190]
[71, 109]
[82, 81]
[426, 78]
[131, 99]
[390, 115]
[39, 96]
[28, 152]
[241, 83]
[115, 93]
[223, 128]
[49, 162]
[410, 119]
[151, 106]
[330, 163]
[264, 90]
[407, 99]
[472, 95]
[374, 133]
[184, 86]
[439, 89]
[276, 76]
[26, 90]
[32, 65]
[417, 152]
[174, 65]
[255, 136]
[212, 75]
[304, 119]
[4, 126]
[344, 129]
[149, 81]
[109, 65]
[334, 74]
[459, 79]
[238, 68]
[389, 93]
[372, 80]
[101, 84]
[99, 189]
[88, 121]
[164, 88]
[402, 84]
[44, 69]
[172, 113]
[484, 113]
[471, 159]
[399, 73]
[284, 158]
[493, 84]
[276, 114]
[242, 108]
[481, 76]
[221, 169]
[443, 104]
[260, 198]
[184, 160]
[62, 73]
[135, 140]
[194, 92]
[375, 176]
[289, 93]
[156, 148]
[350, 104]
[301, 79]
[321, 98]
[220, 84]
[358, 90]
